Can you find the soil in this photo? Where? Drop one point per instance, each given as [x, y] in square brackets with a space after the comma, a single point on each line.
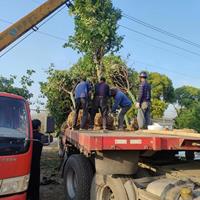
[51, 182]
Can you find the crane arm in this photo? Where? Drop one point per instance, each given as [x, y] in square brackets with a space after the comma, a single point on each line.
[23, 25]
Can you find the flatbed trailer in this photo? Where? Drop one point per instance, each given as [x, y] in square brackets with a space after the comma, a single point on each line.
[131, 165]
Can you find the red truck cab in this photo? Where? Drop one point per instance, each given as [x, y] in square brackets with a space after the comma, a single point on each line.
[15, 146]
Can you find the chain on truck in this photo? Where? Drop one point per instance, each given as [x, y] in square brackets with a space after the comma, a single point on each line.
[140, 165]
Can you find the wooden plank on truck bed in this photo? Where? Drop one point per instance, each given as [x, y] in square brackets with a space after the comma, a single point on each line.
[182, 133]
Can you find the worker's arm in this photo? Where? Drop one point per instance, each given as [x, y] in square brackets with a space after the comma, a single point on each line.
[117, 102]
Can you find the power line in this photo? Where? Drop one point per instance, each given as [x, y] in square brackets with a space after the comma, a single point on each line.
[159, 40]
[52, 36]
[166, 69]
[162, 31]
[5, 21]
[62, 39]
[35, 1]
[33, 30]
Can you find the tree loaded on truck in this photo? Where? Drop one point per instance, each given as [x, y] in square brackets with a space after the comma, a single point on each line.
[130, 165]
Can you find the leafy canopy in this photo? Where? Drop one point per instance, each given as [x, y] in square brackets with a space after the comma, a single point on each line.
[8, 84]
[95, 30]
[189, 118]
[55, 89]
[162, 87]
[187, 95]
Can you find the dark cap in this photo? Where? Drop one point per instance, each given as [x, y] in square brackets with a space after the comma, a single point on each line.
[143, 75]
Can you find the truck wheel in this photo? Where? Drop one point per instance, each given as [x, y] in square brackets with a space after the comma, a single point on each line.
[107, 187]
[131, 190]
[78, 175]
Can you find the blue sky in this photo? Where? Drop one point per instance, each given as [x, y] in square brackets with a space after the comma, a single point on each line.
[180, 17]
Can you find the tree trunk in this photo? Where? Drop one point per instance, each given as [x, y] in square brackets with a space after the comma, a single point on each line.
[126, 121]
[72, 99]
[99, 72]
[131, 96]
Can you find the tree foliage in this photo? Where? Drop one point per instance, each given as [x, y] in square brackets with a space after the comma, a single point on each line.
[58, 90]
[187, 95]
[158, 108]
[95, 29]
[162, 93]
[189, 118]
[162, 87]
[84, 68]
[8, 84]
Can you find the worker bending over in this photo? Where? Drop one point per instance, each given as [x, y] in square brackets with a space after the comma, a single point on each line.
[143, 102]
[101, 96]
[124, 102]
[81, 102]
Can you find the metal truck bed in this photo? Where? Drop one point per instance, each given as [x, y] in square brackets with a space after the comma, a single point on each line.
[87, 141]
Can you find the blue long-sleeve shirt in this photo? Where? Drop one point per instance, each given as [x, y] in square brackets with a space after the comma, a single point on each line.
[82, 90]
[144, 92]
[102, 89]
[121, 100]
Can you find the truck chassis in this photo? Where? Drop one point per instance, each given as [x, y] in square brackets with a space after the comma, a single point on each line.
[130, 165]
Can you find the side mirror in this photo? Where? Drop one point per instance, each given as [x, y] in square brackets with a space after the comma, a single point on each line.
[47, 139]
[50, 125]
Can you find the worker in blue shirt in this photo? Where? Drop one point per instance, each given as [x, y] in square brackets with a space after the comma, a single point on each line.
[121, 100]
[100, 101]
[143, 102]
[81, 102]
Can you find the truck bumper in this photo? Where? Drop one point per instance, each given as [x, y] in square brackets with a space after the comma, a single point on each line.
[15, 197]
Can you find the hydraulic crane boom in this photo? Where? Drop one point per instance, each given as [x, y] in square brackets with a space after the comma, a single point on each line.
[20, 27]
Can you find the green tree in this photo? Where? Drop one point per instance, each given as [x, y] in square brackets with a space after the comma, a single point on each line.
[185, 97]
[162, 87]
[120, 75]
[189, 118]
[158, 108]
[95, 30]
[8, 84]
[162, 93]
[58, 89]
[84, 68]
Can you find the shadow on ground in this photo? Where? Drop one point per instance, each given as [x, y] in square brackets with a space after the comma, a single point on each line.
[51, 183]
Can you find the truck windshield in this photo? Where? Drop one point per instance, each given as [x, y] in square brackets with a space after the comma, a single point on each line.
[14, 126]
[13, 118]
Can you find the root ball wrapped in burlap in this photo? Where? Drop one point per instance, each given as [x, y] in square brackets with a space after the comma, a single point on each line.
[98, 123]
[70, 119]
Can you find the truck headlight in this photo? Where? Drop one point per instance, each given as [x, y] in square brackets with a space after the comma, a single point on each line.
[14, 185]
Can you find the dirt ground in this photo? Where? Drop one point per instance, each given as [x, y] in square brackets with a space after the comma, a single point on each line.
[51, 183]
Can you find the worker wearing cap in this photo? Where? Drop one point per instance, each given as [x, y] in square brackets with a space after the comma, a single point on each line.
[143, 102]
[122, 101]
[101, 96]
[81, 100]
[34, 182]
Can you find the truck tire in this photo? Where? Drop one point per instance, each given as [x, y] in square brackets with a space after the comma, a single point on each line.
[107, 187]
[116, 162]
[131, 190]
[78, 174]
